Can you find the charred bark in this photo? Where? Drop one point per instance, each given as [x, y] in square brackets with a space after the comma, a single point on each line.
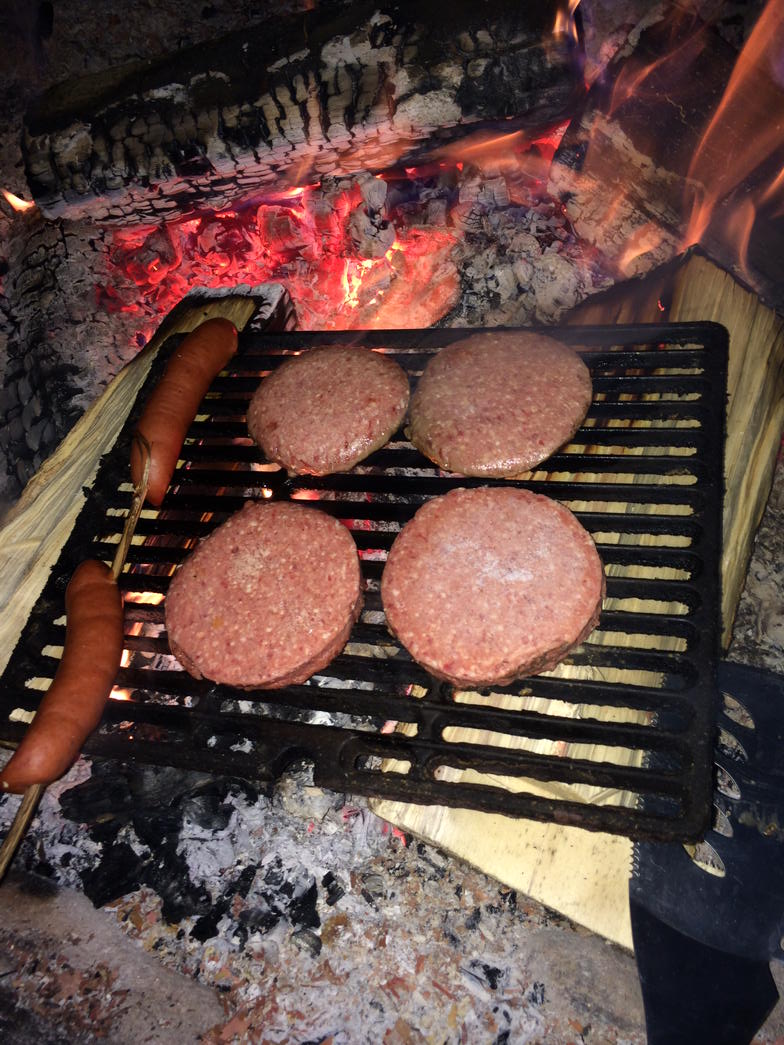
[319, 93]
[54, 323]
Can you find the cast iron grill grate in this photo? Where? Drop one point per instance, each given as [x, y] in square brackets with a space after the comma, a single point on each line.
[618, 738]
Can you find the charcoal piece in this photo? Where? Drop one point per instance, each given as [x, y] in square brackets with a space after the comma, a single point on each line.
[335, 890]
[154, 825]
[167, 874]
[325, 90]
[302, 908]
[308, 941]
[206, 926]
[162, 786]
[102, 798]
[207, 811]
[257, 920]
[118, 872]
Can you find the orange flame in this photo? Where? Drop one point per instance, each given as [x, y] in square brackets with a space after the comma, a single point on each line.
[153, 598]
[16, 202]
[673, 66]
[744, 132]
[149, 598]
[647, 238]
[503, 153]
[564, 21]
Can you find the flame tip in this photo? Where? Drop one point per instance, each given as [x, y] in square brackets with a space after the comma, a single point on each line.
[16, 202]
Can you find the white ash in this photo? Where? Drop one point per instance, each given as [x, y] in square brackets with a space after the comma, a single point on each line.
[52, 841]
[329, 890]
[212, 854]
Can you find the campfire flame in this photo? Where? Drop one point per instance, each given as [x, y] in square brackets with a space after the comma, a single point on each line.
[744, 134]
[148, 598]
[720, 186]
[16, 202]
[565, 23]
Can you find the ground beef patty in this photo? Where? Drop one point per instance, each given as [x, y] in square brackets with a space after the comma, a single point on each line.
[498, 404]
[267, 599]
[488, 585]
[328, 408]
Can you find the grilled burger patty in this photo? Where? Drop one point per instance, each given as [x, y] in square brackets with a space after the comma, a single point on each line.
[268, 599]
[487, 585]
[498, 404]
[327, 409]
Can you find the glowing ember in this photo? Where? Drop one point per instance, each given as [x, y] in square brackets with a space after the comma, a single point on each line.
[298, 238]
[305, 495]
[149, 598]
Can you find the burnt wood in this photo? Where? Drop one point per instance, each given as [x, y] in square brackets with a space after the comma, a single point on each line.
[623, 166]
[290, 100]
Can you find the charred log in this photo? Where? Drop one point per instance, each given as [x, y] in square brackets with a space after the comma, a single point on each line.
[53, 321]
[319, 93]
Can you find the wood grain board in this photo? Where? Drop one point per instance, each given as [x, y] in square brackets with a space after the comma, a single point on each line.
[36, 528]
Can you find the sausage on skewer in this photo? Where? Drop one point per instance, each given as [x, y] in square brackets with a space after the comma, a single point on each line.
[74, 703]
[174, 402]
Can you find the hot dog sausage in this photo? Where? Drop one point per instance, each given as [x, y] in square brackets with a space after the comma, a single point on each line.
[173, 404]
[72, 707]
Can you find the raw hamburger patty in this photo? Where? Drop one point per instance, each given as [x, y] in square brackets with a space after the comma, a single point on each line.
[497, 405]
[268, 599]
[488, 585]
[328, 408]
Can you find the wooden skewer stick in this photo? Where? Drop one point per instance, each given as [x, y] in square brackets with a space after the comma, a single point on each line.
[21, 822]
[32, 795]
[139, 495]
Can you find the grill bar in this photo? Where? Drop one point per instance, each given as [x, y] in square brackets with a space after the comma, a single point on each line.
[618, 738]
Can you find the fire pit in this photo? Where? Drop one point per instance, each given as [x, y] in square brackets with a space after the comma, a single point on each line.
[505, 227]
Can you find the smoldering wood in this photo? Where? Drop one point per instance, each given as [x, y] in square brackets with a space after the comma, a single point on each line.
[288, 101]
[54, 325]
[622, 168]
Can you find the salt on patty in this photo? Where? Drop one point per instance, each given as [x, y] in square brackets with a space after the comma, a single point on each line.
[498, 404]
[488, 585]
[268, 599]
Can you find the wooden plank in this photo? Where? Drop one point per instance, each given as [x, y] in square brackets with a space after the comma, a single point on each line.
[692, 289]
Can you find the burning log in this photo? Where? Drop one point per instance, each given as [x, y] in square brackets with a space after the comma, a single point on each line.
[52, 320]
[664, 155]
[322, 93]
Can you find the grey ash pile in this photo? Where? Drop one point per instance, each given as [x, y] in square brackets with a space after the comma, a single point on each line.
[312, 918]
